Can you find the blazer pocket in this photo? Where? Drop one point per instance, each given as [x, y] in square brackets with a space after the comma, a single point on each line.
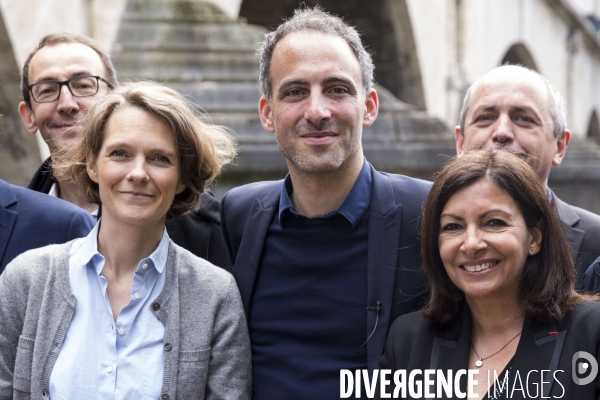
[192, 374]
[23, 361]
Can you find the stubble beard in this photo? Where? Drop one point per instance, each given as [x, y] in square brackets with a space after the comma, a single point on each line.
[321, 159]
[64, 141]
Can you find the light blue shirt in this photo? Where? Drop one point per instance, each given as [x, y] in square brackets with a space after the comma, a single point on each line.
[101, 358]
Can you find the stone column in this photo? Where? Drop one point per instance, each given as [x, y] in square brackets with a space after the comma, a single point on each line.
[19, 155]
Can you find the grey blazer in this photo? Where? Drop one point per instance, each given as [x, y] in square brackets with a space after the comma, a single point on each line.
[583, 232]
[206, 343]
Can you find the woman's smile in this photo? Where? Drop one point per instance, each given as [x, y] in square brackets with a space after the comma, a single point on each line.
[479, 266]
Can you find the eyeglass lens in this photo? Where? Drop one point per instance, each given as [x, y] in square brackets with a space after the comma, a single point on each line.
[80, 86]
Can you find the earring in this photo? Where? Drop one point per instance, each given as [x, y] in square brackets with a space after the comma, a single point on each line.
[531, 251]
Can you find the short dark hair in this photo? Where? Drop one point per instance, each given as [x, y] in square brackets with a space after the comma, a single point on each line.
[202, 148]
[315, 19]
[66, 37]
[546, 288]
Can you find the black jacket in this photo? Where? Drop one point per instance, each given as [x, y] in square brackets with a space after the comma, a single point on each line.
[415, 343]
[198, 231]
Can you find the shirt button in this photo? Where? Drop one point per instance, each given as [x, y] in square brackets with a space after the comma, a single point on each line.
[121, 331]
[145, 266]
[109, 369]
[137, 295]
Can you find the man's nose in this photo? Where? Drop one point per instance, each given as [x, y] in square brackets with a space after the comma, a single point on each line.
[67, 103]
[317, 108]
[503, 134]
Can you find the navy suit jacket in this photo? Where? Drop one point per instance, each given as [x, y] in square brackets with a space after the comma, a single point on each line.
[394, 276]
[591, 280]
[29, 220]
[415, 343]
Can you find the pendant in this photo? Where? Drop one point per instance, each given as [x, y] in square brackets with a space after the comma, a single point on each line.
[478, 363]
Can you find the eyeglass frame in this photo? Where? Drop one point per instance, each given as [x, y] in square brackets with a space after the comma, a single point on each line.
[66, 83]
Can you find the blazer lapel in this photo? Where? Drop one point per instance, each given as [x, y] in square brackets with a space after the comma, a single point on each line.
[251, 247]
[7, 217]
[569, 219]
[451, 348]
[539, 349]
[385, 219]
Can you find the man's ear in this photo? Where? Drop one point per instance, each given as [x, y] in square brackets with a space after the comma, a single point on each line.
[460, 141]
[28, 117]
[266, 114]
[371, 107]
[90, 164]
[562, 142]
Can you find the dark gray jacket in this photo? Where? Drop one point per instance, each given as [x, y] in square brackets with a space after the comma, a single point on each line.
[583, 232]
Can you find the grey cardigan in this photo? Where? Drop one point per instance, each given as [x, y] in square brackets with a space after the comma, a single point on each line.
[206, 343]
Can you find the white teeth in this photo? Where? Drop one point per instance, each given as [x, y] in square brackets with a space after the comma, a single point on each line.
[480, 267]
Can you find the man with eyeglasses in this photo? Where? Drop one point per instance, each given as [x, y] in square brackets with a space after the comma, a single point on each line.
[61, 79]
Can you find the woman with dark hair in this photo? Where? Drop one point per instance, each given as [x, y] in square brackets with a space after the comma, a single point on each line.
[502, 302]
[125, 313]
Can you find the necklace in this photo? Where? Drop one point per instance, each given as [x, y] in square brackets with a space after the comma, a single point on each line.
[479, 361]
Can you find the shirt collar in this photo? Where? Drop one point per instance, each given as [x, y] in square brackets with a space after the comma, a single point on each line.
[354, 206]
[88, 251]
[53, 190]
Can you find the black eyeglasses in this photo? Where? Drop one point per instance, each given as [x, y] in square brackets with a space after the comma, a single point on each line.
[79, 86]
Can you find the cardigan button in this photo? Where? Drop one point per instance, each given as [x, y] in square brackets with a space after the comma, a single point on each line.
[156, 306]
[168, 347]
[164, 397]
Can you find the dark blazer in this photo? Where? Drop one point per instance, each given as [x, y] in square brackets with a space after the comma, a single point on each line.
[199, 231]
[29, 220]
[394, 275]
[583, 232]
[415, 343]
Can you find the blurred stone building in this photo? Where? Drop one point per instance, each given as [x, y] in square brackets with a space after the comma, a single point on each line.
[427, 52]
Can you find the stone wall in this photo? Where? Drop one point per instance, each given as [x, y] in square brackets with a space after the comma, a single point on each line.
[19, 155]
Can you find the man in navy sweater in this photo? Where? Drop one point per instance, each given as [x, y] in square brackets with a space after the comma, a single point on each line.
[328, 257]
